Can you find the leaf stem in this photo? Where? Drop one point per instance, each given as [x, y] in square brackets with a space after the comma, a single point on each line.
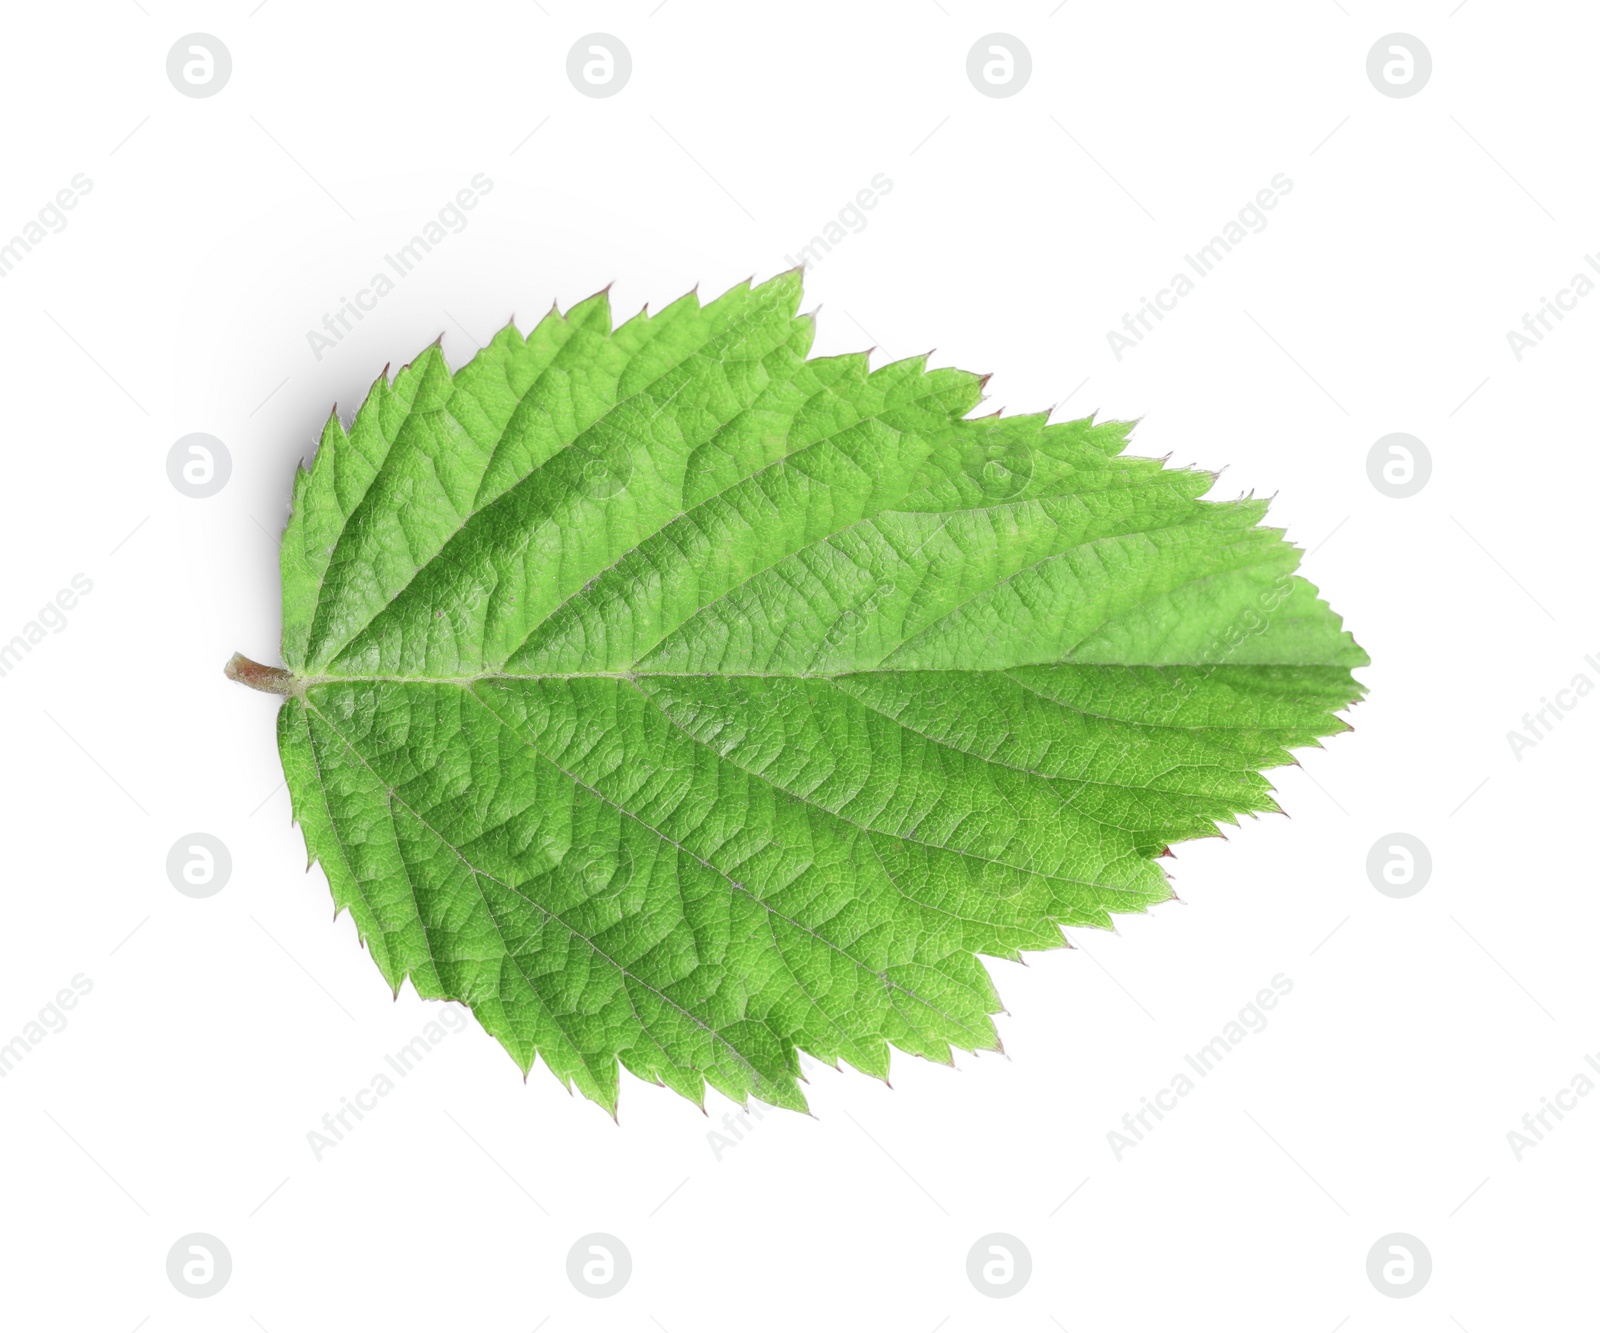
[268, 679]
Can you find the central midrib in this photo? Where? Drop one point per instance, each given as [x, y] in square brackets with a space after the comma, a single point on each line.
[312, 682]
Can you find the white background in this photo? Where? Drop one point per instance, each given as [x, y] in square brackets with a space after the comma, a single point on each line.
[218, 1032]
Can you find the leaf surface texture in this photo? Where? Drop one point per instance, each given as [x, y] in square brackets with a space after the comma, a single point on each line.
[681, 704]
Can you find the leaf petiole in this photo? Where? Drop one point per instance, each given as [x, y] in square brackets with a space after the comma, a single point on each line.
[268, 679]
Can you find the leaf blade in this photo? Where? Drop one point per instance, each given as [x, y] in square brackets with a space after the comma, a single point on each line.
[681, 704]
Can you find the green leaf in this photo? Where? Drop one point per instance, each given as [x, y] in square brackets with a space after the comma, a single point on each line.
[681, 704]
